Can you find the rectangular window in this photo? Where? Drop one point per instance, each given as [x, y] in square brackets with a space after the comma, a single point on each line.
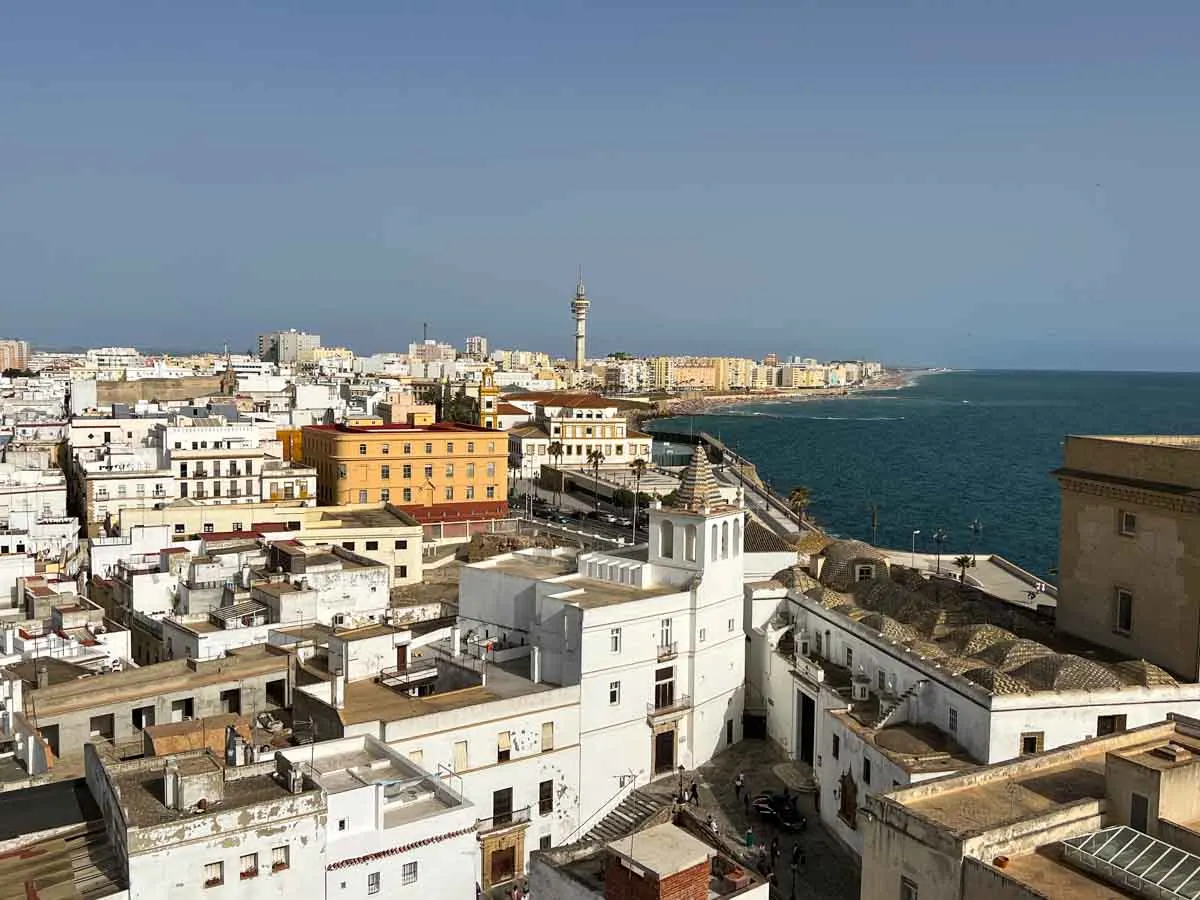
[385, 449]
[547, 736]
[908, 889]
[406, 472]
[385, 472]
[1123, 613]
[429, 448]
[416, 756]
[280, 858]
[408, 495]
[408, 874]
[953, 720]
[401, 571]
[837, 746]
[450, 447]
[372, 545]
[881, 680]
[491, 470]
[429, 471]
[362, 496]
[614, 693]
[1109, 725]
[849, 658]
[449, 493]
[703, 635]
[503, 746]
[214, 874]
[208, 527]
[449, 470]
[866, 771]
[362, 449]
[1032, 742]
[1128, 523]
[730, 625]
[545, 798]
[385, 494]
[343, 824]
[544, 842]
[470, 470]
[248, 866]
[460, 756]
[373, 883]
[407, 449]
[614, 640]
[664, 633]
[179, 528]
[470, 446]
[470, 492]
[347, 545]
[401, 545]
[341, 470]
[491, 492]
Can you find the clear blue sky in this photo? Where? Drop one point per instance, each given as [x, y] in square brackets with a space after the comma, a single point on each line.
[964, 183]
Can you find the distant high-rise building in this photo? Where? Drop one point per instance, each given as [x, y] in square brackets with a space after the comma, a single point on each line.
[579, 309]
[477, 347]
[286, 346]
[430, 351]
[14, 354]
[771, 359]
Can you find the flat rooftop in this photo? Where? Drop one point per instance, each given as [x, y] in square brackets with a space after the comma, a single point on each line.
[161, 678]
[538, 567]
[1046, 872]
[369, 701]
[596, 594]
[664, 850]
[367, 517]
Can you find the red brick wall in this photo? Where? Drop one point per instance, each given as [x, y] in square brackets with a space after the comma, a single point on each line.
[468, 510]
[622, 884]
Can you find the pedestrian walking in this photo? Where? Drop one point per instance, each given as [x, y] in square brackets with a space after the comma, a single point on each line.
[694, 793]
[796, 854]
[774, 850]
[738, 784]
[746, 803]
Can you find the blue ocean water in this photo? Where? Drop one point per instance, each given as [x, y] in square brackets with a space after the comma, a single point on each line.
[951, 449]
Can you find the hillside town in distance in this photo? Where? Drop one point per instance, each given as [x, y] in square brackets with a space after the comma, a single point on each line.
[460, 622]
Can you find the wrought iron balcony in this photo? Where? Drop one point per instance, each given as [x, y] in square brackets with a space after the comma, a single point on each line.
[668, 651]
[504, 820]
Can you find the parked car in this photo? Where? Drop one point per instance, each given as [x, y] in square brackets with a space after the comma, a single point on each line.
[607, 517]
[779, 810]
[559, 518]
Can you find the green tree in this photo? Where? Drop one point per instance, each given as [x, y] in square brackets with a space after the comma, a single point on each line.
[798, 499]
[623, 498]
[964, 562]
[595, 459]
[639, 469]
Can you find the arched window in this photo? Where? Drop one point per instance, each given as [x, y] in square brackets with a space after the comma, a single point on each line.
[713, 542]
[689, 543]
[737, 536]
[724, 540]
[666, 539]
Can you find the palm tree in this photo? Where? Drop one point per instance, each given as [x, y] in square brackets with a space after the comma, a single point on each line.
[556, 453]
[939, 538]
[595, 459]
[964, 562]
[639, 469]
[798, 499]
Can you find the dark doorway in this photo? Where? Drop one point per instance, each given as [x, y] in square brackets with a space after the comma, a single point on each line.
[231, 701]
[808, 728]
[504, 865]
[50, 733]
[754, 726]
[502, 811]
[729, 732]
[1139, 808]
[277, 692]
[664, 752]
[402, 657]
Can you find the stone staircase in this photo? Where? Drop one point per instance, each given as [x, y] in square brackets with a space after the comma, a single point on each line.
[626, 817]
[888, 711]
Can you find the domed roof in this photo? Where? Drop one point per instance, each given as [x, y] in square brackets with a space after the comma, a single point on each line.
[924, 648]
[884, 595]
[995, 681]
[970, 639]
[1140, 673]
[840, 559]
[797, 579]
[1067, 672]
[889, 627]
[956, 665]
[1009, 655]
[827, 598]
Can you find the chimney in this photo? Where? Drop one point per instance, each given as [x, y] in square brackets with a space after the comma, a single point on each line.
[456, 640]
[535, 665]
[337, 689]
[171, 785]
[43, 676]
[10, 641]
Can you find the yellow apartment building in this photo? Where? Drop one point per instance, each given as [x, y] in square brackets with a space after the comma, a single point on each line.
[445, 472]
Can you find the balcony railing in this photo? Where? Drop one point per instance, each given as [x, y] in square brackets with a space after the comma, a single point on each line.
[668, 651]
[504, 820]
[666, 707]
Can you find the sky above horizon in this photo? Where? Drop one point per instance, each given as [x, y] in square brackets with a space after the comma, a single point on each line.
[969, 184]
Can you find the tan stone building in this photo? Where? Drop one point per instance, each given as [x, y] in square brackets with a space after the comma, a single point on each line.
[1113, 817]
[1129, 557]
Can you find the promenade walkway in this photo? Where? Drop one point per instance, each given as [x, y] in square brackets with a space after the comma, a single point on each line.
[992, 574]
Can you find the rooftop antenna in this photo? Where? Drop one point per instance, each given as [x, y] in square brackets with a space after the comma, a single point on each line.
[424, 331]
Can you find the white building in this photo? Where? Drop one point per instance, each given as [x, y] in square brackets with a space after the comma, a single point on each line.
[878, 684]
[581, 423]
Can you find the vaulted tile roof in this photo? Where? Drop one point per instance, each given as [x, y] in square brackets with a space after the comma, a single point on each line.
[698, 488]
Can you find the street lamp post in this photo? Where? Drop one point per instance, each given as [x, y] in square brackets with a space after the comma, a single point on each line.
[939, 538]
[914, 549]
[681, 771]
[976, 531]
